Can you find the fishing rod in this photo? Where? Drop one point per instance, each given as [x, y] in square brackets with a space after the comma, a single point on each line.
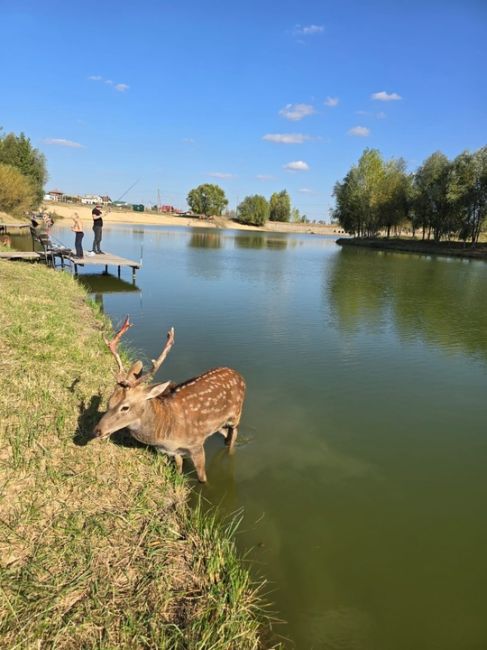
[127, 191]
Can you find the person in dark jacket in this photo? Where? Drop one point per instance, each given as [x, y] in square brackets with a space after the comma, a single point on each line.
[97, 229]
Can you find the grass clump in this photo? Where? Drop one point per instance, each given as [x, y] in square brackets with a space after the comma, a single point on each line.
[98, 547]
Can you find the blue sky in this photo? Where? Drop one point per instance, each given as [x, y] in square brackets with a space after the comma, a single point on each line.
[254, 96]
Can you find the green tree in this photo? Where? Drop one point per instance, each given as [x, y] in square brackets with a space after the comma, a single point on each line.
[17, 193]
[468, 192]
[253, 210]
[207, 199]
[395, 195]
[295, 215]
[280, 206]
[17, 151]
[360, 194]
[433, 208]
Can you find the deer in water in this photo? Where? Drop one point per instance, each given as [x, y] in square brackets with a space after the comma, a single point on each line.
[175, 419]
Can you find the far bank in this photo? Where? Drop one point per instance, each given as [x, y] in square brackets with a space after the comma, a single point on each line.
[153, 219]
[447, 248]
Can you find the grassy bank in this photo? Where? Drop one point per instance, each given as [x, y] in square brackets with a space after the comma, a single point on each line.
[449, 248]
[98, 547]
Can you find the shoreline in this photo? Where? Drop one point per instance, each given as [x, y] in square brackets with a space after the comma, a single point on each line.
[100, 533]
[157, 219]
[419, 247]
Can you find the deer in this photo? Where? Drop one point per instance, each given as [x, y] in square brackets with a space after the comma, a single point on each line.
[175, 419]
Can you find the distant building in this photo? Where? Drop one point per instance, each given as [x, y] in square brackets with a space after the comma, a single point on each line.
[91, 199]
[106, 200]
[53, 195]
[169, 209]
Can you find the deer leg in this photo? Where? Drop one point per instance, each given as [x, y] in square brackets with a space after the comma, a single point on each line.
[198, 458]
[231, 438]
[224, 432]
[179, 463]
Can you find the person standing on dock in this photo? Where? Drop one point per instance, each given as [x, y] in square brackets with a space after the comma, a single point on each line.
[77, 228]
[97, 229]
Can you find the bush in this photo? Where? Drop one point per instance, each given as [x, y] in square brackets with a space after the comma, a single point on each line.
[207, 199]
[280, 206]
[17, 151]
[253, 210]
[16, 191]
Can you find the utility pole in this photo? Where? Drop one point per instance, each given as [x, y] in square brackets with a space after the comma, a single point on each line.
[158, 200]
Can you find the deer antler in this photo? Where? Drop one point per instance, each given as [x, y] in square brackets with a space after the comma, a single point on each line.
[113, 344]
[156, 363]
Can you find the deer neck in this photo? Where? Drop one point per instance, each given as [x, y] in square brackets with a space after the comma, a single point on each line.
[155, 423]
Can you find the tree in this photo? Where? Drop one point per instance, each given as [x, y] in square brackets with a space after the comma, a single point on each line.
[207, 199]
[468, 192]
[295, 215]
[432, 206]
[280, 206]
[359, 195]
[395, 195]
[18, 152]
[253, 210]
[17, 193]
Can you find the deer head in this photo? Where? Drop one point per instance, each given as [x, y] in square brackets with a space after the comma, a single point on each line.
[127, 403]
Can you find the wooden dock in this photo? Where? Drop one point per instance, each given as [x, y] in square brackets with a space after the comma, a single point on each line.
[104, 259]
[5, 227]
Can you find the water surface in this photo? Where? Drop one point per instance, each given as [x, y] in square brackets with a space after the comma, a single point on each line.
[361, 465]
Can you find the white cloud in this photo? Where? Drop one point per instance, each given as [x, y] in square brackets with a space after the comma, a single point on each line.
[221, 175]
[120, 87]
[308, 30]
[189, 140]
[331, 101]
[305, 190]
[286, 138]
[297, 166]
[264, 177]
[380, 115]
[61, 142]
[385, 97]
[360, 131]
[296, 112]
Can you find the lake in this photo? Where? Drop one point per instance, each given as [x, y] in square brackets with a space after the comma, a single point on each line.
[362, 454]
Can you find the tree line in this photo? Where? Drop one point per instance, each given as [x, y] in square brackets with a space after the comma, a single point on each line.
[210, 200]
[23, 174]
[442, 199]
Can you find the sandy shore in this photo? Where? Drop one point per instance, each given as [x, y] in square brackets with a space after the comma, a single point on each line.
[152, 218]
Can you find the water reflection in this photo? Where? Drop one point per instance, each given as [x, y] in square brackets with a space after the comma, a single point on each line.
[205, 239]
[98, 285]
[260, 240]
[254, 240]
[437, 300]
[106, 283]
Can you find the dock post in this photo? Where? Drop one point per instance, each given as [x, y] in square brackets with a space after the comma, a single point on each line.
[133, 273]
[119, 270]
[106, 269]
[76, 269]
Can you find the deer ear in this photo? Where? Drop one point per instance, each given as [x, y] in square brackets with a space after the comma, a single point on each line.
[158, 389]
[135, 370]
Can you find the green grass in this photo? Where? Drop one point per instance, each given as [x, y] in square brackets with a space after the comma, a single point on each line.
[98, 546]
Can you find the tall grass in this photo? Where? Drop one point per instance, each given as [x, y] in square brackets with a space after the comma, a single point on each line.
[98, 547]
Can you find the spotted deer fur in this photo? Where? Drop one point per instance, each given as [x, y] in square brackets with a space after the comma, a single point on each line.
[175, 419]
